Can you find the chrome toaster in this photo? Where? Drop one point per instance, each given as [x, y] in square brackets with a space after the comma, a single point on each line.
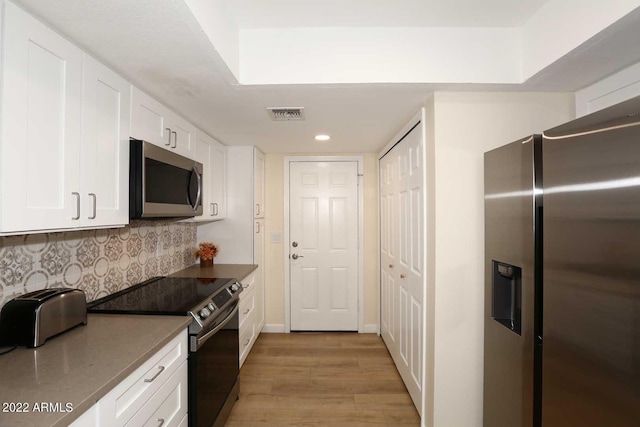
[30, 319]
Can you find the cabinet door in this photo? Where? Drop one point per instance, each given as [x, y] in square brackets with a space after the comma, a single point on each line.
[40, 139]
[258, 183]
[219, 180]
[182, 136]
[148, 119]
[105, 146]
[203, 155]
[258, 258]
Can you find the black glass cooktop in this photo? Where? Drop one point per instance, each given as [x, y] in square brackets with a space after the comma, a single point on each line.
[160, 295]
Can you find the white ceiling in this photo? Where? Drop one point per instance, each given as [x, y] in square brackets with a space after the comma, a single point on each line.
[161, 48]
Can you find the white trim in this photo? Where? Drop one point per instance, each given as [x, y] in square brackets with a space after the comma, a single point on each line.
[287, 279]
[609, 91]
[273, 328]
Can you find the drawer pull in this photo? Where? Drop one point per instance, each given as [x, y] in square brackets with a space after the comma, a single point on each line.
[246, 343]
[150, 380]
[161, 421]
[246, 311]
[402, 276]
[245, 286]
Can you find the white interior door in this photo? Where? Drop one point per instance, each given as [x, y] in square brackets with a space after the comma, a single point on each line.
[402, 242]
[323, 246]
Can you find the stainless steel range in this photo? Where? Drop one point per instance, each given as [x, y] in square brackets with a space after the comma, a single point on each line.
[213, 335]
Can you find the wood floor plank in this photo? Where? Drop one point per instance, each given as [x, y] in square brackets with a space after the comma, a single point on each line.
[321, 379]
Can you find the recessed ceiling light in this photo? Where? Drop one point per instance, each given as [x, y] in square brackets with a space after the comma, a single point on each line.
[322, 137]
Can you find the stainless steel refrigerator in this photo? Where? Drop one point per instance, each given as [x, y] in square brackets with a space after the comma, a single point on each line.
[562, 275]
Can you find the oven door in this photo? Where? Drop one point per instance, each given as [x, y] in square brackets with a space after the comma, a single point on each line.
[213, 371]
[162, 183]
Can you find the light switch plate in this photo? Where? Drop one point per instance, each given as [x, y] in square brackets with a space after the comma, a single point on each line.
[276, 237]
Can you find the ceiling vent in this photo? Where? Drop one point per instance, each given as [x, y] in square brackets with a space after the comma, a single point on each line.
[286, 113]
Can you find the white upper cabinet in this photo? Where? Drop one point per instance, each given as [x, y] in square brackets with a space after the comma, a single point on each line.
[213, 157]
[218, 180]
[40, 139]
[64, 133]
[105, 146]
[258, 183]
[153, 122]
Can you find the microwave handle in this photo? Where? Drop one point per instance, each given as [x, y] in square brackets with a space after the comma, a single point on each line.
[199, 195]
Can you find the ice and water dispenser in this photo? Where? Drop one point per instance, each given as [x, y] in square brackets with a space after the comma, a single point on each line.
[507, 295]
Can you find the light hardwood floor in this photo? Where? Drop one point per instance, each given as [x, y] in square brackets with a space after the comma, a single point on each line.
[321, 379]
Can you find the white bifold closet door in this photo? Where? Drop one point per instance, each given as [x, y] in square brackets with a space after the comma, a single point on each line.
[402, 243]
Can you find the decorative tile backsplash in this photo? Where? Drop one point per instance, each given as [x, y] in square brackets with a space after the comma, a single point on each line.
[99, 262]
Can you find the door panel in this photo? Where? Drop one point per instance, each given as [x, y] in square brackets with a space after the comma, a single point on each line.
[105, 146]
[41, 88]
[324, 223]
[402, 258]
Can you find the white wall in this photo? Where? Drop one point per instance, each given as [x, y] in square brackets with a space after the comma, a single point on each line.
[562, 25]
[371, 55]
[220, 27]
[462, 127]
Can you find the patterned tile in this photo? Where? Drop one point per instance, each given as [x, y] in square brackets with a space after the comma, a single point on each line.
[113, 248]
[99, 262]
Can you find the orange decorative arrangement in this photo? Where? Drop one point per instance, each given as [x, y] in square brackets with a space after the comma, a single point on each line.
[206, 252]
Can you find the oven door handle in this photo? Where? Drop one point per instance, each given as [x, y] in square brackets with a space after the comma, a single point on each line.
[206, 336]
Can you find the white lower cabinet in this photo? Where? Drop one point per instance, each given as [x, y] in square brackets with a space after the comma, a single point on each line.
[168, 406]
[251, 314]
[154, 394]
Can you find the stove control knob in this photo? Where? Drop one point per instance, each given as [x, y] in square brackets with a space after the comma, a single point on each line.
[204, 313]
[211, 307]
[235, 287]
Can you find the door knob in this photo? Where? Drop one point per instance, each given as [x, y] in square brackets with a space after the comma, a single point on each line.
[296, 256]
[402, 276]
[294, 244]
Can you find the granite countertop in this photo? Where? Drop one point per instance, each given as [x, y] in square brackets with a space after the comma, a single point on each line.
[80, 366]
[231, 271]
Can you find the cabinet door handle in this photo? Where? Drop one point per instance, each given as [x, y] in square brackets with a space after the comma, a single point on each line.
[160, 421]
[169, 133]
[211, 209]
[152, 379]
[402, 276]
[246, 311]
[215, 209]
[93, 196]
[77, 206]
[175, 139]
[257, 227]
[257, 208]
[246, 343]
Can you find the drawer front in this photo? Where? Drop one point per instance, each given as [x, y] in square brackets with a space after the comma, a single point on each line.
[248, 284]
[168, 406]
[247, 306]
[247, 336]
[131, 394]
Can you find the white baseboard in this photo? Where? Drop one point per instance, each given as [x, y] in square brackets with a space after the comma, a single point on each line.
[274, 328]
[278, 328]
[370, 329]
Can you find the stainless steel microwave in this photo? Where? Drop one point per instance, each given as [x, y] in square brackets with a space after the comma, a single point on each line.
[163, 184]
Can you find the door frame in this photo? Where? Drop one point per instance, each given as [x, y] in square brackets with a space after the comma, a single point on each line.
[287, 272]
